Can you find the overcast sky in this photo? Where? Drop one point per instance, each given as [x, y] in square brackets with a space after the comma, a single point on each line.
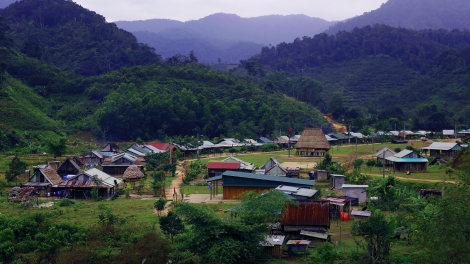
[184, 10]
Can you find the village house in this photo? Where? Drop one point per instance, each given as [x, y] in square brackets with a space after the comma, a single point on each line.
[443, 149]
[68, 167]
[133, 174]
[80, 186]
[383, 155]
[264, 140]
[355, 191]
[110, 149]
[234, 183]
[120, 162]
[43, 180]
[274, 168]
[93, 157]
[408, 161]
[312, 143]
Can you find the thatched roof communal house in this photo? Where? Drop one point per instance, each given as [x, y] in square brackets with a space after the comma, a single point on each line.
[133, 174]
[312, 143]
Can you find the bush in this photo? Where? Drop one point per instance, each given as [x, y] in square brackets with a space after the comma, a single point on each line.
[201, 183]
[66, 202]
[397, 150]
[326, 253]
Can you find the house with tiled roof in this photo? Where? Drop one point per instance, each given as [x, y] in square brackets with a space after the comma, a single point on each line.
[43, 180]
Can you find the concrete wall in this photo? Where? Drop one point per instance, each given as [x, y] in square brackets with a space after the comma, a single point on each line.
[337, 182]
[355, 192]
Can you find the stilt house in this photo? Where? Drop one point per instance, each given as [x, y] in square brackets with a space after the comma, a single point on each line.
[312, 143]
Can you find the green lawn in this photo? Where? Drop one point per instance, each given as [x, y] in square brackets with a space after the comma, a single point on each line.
[192, 189]
[434, 172]
[367, 149]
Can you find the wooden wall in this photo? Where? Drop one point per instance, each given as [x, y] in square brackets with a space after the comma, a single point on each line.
[233, 191]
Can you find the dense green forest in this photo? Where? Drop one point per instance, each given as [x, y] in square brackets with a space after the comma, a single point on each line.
[377, 70]
[5, 3]
[177, 97]
[415, 14]
[208, 51]
[73, 38]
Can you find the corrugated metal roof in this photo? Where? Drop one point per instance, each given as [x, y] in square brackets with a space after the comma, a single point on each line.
[81, 184]
[106, 178]
[38, 184]
[443, 146]
[361, 213]
[337, 175]
[379, 154]
[314, 234]
[410, 160]
[403, 153]
[268, 178]
[98, 154]
[270, 241]
[234, 165]
[135, 152]
[355, 186]
[21, 191]
[160, 146]
[308, 213]
[448, 132]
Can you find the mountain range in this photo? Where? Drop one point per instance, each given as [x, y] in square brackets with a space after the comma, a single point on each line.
[226, 36]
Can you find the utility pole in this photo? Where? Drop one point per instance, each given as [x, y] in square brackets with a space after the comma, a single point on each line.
[372, 146]
[197, 147]
[443, 186]
[356, 148]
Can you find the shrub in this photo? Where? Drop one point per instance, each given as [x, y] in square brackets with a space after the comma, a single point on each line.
[397, 150]
[66, 202]
[326, 253]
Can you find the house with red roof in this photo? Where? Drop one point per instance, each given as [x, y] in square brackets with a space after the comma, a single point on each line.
[216, 168]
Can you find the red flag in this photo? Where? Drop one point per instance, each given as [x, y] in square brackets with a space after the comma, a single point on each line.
[186, 168]
[163, 172]
[411, 143]
[211, 148]
[182, 177]
[164, 194]
[174, 189]
[273, 142]
[232, 145]
[170, 161]
[290, 130]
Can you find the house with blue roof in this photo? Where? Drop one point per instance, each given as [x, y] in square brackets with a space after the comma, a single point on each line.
[408, 161]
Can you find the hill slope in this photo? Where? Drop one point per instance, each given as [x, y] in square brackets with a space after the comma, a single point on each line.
[364, 63]
[73, 38]
[415, 14]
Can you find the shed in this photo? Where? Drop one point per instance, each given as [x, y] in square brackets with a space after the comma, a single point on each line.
[337, 181]
[315, 236]
[448, 133]
[235, 183]
[310, 215]
[133, 174]
[293, 172]
[318, 175]
[356, 191]
[361, 215]
[272, 245]
[68, 167]
[338, 204]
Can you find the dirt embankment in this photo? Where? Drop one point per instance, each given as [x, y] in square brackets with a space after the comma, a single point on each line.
[340, 128]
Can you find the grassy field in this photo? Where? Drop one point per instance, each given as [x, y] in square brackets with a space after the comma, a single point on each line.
[367, 148]
[434, 172]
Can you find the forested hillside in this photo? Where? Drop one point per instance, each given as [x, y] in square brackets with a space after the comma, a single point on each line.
[208, 51]
[73, 38]
[383, 72]
[415, 14]
[178, 97]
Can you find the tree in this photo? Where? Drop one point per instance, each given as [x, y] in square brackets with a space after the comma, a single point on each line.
[377, 232]
[15, 168]
[57, 148]
[335, 106]
[95, 190]
[2, 187]
[159, 205]
[171, 225]
[192, 57]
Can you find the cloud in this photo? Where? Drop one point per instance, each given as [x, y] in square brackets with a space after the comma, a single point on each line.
[184, 10]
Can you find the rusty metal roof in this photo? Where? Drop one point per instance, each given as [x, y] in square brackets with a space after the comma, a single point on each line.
[37, 184]
[21, 191]
[81, 184]
[309, 213]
